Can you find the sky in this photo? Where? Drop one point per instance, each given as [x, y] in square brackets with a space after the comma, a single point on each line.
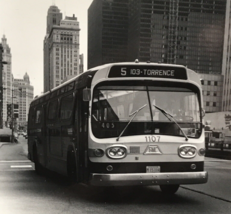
[23, 22]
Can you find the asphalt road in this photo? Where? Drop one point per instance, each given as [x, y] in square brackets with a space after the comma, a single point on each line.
[23, 191]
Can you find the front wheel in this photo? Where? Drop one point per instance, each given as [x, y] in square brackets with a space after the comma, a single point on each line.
[169, 189]
[38, 167]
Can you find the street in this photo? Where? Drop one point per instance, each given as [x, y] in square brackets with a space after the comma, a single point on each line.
[23, 191]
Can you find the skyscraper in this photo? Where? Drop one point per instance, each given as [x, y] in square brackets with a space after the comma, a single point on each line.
[226, 101]
[61, 49]
[107, 32]
[7, 77]
[178, 31]
[23, 93]
[170, 31]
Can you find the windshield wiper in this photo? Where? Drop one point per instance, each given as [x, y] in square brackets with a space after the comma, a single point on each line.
[171, 118]
[132, 114]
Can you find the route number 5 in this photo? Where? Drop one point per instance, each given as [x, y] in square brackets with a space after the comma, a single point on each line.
[123, 71]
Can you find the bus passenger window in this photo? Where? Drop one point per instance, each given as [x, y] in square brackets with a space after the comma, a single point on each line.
[52, 110]
[38, 116]
[66, 107]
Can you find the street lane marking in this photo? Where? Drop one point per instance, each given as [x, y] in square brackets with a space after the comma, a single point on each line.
[20, 166]
[18, 161]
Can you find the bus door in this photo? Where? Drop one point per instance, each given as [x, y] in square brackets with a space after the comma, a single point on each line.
[43, 133]
[66, 120]
[79, 137]
[53, 131]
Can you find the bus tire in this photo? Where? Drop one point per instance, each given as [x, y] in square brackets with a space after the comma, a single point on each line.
[169, 189]
[71, 167]
[38, 167]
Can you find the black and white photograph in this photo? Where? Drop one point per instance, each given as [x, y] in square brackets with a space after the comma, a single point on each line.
[115, 106]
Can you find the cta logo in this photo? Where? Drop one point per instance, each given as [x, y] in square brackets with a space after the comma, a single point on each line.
[152, 150]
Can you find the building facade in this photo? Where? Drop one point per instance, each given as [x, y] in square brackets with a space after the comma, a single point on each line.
[170, 31]
[178, 31]
[61, 49]
[23, 96]
[107, 32]
[212, 86]
[185, 32]
[7, 78]
[226, 66]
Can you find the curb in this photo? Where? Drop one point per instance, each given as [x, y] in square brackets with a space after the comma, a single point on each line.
[8, 143]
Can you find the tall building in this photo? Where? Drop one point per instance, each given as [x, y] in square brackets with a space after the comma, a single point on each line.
[61, 49]
[1, 89]
[23, 95]
[7, 78]
[171, 31]
[226, 66]
[107, 32]
[178, 31]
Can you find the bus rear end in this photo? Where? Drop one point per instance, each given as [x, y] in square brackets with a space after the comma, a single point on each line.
[145, 127]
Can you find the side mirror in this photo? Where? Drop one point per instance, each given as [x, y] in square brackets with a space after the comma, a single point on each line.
[202, 112]
[86, 94]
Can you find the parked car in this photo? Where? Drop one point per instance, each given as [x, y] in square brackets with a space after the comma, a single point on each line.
[20, 132]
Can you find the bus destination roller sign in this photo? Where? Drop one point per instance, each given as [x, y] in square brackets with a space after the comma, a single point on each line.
[170, 72]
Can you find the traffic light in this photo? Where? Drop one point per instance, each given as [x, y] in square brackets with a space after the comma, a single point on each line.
[9, 111]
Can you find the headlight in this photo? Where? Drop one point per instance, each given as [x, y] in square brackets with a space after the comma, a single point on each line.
[116, 152]
[187, 151]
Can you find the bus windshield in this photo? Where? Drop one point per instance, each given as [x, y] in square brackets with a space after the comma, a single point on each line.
[113, 106]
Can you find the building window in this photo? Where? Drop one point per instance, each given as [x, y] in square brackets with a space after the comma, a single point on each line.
[214, 104]
[207, 103]
[215, 83]
[209, 82]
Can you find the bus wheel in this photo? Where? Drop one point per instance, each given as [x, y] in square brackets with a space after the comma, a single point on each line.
[169, 189]
[71, 167]
[38, 167]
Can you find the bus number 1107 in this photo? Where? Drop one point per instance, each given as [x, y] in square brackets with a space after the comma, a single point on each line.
[152, 138]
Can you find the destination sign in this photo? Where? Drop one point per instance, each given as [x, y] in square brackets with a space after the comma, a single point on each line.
[154, 71]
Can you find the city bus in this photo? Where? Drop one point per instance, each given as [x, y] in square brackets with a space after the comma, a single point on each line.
[122, 124]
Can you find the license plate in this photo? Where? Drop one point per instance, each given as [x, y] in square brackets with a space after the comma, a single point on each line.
[152, 169]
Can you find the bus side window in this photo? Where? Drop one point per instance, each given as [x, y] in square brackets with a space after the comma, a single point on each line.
[52, 110]
[66, 107]
[38, 115]
[31, 121]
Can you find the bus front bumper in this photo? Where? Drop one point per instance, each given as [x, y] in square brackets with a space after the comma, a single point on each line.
[145, 179]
